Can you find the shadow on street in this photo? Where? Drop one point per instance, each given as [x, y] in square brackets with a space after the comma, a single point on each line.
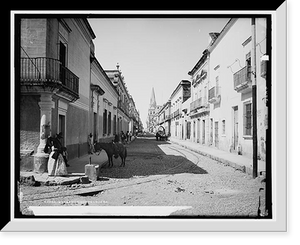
[145, 158]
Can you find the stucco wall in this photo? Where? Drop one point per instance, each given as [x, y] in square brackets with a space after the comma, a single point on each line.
[107, 101]
[77, 131]
[33, 37]
[230, 56]
[29, 123]
[79, 58]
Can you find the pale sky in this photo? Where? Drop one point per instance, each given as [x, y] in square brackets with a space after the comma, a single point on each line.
[157, 52]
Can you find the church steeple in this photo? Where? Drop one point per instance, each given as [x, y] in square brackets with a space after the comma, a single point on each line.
[152, 100]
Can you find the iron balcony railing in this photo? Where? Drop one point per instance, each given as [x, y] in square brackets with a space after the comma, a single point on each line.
[196, 104]
[41, 70]
[123, 106]
[243, 76]
[176, 113]
[263, 68]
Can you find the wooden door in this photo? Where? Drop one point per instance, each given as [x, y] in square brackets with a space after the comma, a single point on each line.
[198, 131]
[95, 126]
[194, 131]
[216, 134]
[62, 126]
[235, 127]
[203, 132]
[211, 131]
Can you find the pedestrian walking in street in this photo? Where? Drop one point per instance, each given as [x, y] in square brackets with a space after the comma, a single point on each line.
[123, 137]
[91, 143]
[127, 137]
[130, 135]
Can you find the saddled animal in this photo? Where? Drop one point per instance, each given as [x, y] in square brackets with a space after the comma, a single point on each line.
[121, 151]
[109, 148]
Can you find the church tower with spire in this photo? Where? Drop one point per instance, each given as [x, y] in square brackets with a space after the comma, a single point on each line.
[152, 100]
[152, 113]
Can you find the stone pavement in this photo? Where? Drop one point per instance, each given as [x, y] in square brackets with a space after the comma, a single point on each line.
[237, 161]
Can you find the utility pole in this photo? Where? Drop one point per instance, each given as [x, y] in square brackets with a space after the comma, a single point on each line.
[254, 100]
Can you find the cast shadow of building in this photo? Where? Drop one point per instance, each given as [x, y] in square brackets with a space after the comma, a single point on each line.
[145, 158]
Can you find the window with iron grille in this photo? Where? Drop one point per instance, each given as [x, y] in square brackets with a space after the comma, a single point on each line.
[248, 119]
[115, 125]
[188, 130]
[105, 121]
[109, 123]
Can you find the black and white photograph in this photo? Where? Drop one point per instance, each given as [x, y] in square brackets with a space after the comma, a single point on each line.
[144, 116]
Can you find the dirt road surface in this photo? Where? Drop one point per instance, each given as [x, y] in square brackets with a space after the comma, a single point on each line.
[158, 173]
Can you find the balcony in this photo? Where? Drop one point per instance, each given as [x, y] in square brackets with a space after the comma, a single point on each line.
[199, 107]
[43, 74]
[263, 68]
[168, 117]
[214, 95]
[176, 113]
[199, 78]
[196, 104]
[242, 80]
[124, 107]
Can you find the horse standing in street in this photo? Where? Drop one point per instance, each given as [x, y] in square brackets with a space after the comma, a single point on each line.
[109, 148]
[112, 149]
[121, 151]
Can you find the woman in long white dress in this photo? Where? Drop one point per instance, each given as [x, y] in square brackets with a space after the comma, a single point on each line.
[56, 163]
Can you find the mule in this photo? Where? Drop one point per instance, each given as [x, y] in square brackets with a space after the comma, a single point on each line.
[110, 150]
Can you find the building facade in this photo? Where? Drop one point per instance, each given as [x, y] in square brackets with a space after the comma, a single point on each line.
[55, 84]
[63, 88]
[134, 117]
[104, 102]
[164, 117]
[198, 127]
[218, 109]
[181, 93]
[231, 72]
[123, 114]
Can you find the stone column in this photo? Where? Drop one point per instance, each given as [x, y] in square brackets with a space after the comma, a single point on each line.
[41, 158]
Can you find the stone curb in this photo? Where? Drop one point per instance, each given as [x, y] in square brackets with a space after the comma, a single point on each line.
[235, 165]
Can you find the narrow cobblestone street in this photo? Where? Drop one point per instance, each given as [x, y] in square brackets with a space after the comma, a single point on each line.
[159, 173]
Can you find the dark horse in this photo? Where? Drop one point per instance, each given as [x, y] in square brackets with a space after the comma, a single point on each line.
[121, 151]
[112, 149]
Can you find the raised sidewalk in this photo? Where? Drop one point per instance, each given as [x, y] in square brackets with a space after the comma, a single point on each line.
[75, 172]
[236, 161]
